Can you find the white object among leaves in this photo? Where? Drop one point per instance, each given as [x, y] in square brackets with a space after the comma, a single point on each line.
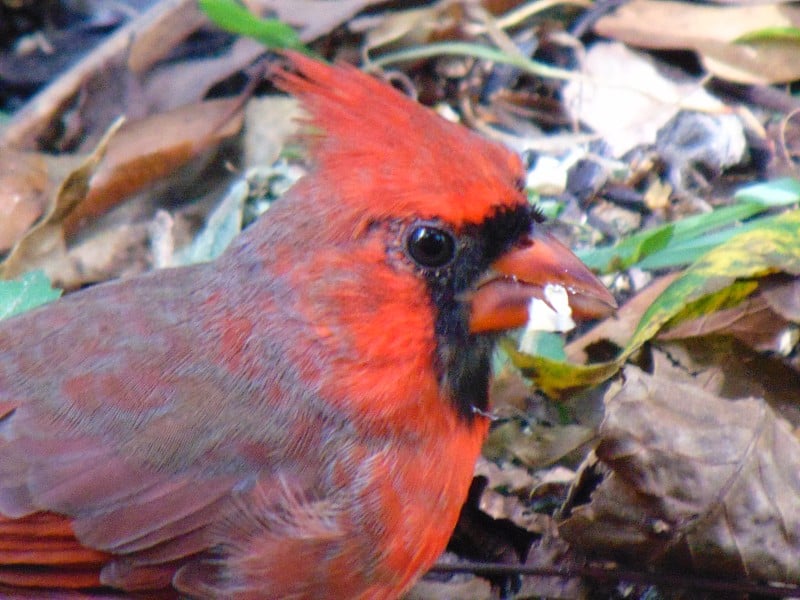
[624, 98]
[551, 314]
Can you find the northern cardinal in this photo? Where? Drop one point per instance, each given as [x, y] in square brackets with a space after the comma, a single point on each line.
[301, 417]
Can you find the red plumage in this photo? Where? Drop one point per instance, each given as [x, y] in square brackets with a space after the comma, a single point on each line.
[293, 420]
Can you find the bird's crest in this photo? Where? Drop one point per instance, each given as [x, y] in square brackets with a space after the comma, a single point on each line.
[386, 154]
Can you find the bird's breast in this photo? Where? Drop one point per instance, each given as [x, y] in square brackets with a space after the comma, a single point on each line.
[412, 495]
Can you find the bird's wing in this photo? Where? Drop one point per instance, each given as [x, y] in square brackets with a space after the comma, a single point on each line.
[47, 541]
[136, 427]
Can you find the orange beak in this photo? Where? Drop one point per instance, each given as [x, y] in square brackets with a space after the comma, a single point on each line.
[503, 298]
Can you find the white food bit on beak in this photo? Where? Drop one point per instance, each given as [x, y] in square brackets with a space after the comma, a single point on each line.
[788, 340]
[554, 314]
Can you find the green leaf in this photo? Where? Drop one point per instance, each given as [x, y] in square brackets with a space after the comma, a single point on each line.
[674, 244]
[32, 290]
[233, 17]
[685, 252]
[629, 251]
[779, 192]
[770, 34]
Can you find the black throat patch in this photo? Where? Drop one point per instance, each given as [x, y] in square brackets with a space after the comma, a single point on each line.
[464, 359]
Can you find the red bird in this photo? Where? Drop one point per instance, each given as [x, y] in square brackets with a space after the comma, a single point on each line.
[301, 417]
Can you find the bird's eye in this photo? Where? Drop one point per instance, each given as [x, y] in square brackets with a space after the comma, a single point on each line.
[430, 246]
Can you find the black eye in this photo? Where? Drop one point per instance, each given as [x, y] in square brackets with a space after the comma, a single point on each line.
[430, 246]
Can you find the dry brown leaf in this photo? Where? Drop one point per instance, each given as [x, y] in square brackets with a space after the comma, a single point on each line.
[693, 479]
[28, 181]
[784, 298]
[269, 122]
[711, 31]
[175, 84]
[46, 239]
[312, 18]
[119, 250]
[511, 490]
[408, 27]
[154, 34]
[619, 329]
[137, 156]
[724, 366]
[143, 152]
[552, 552]
[24, 189]
[766, 322]
[533, 444]
[757, 322]
[626, 100]
[156, 28]
[508, 477]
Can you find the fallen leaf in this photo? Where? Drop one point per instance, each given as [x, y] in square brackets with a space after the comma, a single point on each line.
[552, 553]
[32, 290]
[693, 481]
[716, 33]
[726, 367]
[784, 298]
[619, 328]
[403, 28]
[758, 321]
[174, 84]
[155, 33]
[535, 445]
[769, 248]
[156, 30]
[46, 239]
[269, 123]
[312, 18]
[28, 181]
[146, 151]
[559, 379]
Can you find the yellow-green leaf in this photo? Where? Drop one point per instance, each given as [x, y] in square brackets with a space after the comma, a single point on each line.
[771, 247]
[556, 378]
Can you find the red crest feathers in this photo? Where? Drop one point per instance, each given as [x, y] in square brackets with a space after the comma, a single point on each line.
[384, 153]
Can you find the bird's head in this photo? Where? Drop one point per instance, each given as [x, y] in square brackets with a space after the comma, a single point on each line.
[452, 205]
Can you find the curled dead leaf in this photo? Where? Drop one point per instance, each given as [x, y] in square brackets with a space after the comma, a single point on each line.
[45, 240]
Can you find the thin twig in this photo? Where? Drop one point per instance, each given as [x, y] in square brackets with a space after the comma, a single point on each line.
[604, 574]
